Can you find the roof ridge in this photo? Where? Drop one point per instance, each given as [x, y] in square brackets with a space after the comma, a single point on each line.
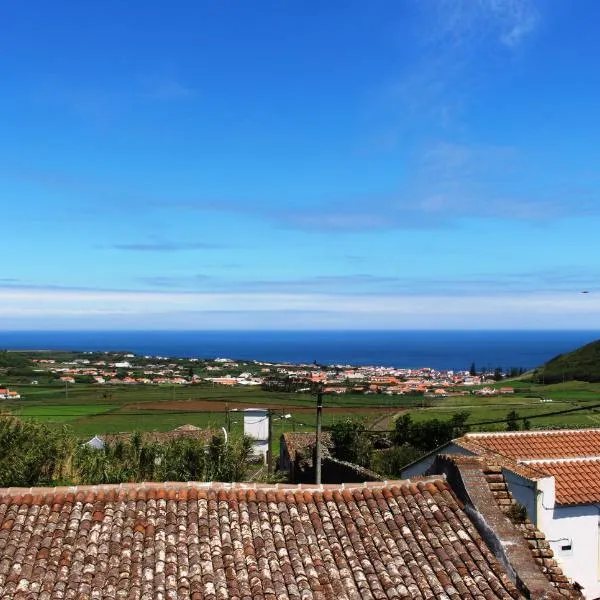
[214, 485]
[540, 432]
[566, 459]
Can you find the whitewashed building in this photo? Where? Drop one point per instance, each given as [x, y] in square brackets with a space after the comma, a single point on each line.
[555, 475]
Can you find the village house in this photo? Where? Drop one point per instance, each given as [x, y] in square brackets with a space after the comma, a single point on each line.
[441, 537]
[6, 394]
[555, 476]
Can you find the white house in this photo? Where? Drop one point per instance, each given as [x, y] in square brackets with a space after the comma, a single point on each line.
[556, 476]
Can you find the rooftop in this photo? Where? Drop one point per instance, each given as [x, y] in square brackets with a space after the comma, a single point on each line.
[571, 456]
[398, 539]
[577, 481]
[297, 441]
[523, 445]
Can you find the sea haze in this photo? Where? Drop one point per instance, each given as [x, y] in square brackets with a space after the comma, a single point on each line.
[410, 349]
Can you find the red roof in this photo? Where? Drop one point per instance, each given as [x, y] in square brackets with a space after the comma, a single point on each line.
[218, 541]
[530, 445]
[576, 481]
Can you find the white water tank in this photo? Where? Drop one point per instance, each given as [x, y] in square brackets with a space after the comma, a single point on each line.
[256, 426]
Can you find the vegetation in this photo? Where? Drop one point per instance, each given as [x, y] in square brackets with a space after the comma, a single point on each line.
[390, 462]
[14, 360]
[582, 364]
[352, 442]
[513, 422]
[180, 459]
[34, 454]
[517, 513]
[430, 434]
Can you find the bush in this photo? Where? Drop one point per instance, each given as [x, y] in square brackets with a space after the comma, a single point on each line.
[391, 462]
[182, 459]
[33, 454]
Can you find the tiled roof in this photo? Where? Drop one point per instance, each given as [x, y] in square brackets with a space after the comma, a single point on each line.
[540, 548]
[526, 470]
[297, 441]
[572, 457]
[216, 541]
[540, 444]
[185, 431]
[576, 481]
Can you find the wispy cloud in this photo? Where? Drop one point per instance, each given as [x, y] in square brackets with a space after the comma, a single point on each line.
[469, 22]
[168, 89]
[165, 246]
[569, 279]
[51, 309]
[456, 42]
[102, 104]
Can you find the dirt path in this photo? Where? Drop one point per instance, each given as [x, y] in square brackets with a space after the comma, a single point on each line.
[385, 422]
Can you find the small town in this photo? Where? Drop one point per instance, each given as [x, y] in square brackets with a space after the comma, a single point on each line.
[299, 300]
[127, 369]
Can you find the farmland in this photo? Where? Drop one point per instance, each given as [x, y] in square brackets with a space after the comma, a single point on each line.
[93, 409]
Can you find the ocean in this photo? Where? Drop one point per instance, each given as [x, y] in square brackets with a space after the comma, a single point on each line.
[404, 349]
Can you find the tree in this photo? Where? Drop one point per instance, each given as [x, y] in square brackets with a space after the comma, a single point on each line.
[351, 442]
[430, 434]
[498, 374]
[403, 430]
[391, 462]
[472, 370]
[512, 421]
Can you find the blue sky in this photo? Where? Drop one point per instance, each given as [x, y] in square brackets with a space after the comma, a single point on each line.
[219, 164]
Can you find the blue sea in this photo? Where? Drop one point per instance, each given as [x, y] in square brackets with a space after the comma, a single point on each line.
[408, 349]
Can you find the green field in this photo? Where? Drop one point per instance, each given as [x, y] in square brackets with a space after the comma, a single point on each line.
[93, 409]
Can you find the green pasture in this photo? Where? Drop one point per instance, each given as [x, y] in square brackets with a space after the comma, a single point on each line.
[93, 409]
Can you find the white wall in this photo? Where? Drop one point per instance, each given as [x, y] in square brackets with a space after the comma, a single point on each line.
[421, 466]
[524, 491]
[578, 525]
[571, 531]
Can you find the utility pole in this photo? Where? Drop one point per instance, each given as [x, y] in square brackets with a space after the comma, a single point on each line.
[318, 440]
[270, 444]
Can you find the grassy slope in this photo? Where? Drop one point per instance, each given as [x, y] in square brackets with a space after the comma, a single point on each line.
[582, 364]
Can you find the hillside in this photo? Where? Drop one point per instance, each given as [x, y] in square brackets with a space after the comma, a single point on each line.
[583, 364]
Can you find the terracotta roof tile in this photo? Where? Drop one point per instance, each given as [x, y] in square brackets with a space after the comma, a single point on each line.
[524, 445]
[576, 481]
[218, 541]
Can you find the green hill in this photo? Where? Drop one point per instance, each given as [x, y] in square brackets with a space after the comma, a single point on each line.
[582, 364]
